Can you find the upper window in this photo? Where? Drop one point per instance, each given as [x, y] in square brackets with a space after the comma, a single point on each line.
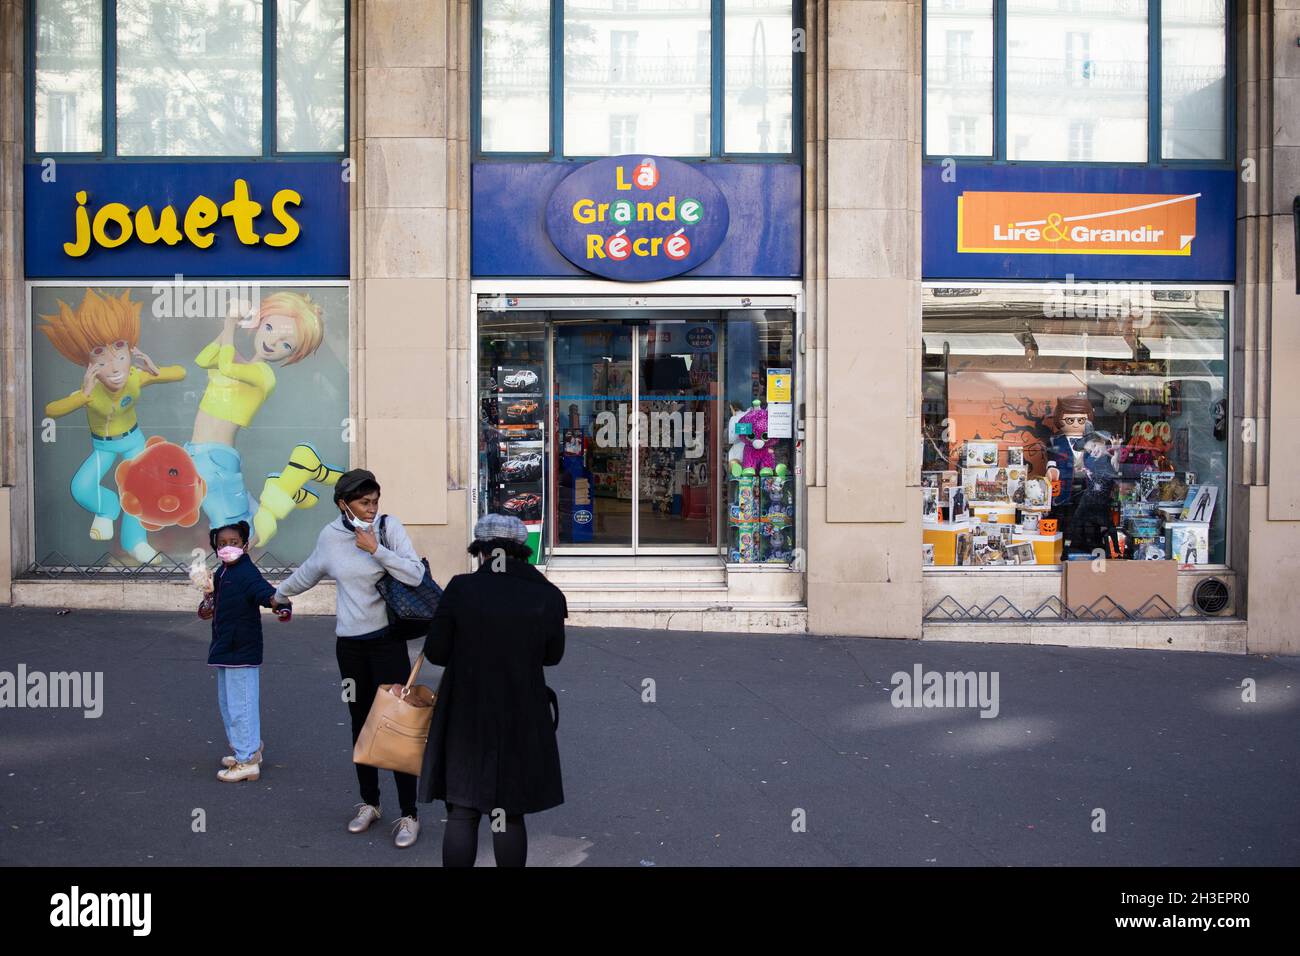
[1092, 81]
[688, 78]
[210, 78]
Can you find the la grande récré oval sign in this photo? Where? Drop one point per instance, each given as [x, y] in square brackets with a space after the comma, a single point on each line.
[637, 218]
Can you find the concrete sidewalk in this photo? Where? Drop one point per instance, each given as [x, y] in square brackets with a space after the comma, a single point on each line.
[747, 734]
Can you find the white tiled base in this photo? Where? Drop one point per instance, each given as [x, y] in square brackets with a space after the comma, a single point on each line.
[1227, 636]
[724, 620]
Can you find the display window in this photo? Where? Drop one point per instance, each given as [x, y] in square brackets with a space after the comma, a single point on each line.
[640, 431]
[1066, 422]
[161, 411]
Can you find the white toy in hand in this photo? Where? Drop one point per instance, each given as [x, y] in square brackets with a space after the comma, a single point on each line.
[201, 577]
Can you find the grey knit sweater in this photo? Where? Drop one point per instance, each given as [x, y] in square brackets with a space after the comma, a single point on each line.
[360, 608]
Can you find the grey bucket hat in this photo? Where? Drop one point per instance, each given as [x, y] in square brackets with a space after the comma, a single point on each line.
[494, 527]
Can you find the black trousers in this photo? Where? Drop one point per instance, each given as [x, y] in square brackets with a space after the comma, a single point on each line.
[371, 662]
[460, 840]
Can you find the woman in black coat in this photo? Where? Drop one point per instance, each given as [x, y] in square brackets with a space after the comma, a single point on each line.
[492, 747]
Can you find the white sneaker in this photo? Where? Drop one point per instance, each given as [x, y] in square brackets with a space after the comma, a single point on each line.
[366, 815]
[240, 771]
[406, 832]
[143, 553]
[101, 529]
[232, 760]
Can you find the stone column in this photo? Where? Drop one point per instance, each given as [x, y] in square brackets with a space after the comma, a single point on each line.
[863, 274]
[1268, 528]
[13, 299]
[410, 263]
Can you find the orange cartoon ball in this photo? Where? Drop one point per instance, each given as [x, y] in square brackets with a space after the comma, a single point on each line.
[160, 486]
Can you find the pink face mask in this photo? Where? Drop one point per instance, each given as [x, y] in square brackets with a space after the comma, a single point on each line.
[230, 554]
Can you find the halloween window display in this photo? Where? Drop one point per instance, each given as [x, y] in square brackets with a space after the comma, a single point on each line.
[1160, 397]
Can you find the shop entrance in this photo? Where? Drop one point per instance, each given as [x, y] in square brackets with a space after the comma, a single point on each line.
[635, 401]
[649, 425]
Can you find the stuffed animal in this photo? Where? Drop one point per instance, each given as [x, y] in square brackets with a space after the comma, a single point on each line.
[757, 456]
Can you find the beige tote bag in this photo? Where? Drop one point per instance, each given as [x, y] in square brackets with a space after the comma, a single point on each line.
[397, 727]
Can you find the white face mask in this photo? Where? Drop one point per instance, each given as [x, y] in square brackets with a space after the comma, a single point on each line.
[230, 554]
[362, 525]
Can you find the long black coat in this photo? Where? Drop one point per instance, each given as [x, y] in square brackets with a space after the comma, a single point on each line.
[492, 742]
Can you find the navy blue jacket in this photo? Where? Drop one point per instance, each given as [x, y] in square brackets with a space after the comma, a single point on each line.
[240, 592]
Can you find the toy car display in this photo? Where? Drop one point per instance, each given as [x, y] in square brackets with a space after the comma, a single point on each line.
[525, 506]
[521, 379]
[524, 468]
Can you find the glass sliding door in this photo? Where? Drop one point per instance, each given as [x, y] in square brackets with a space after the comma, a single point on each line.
[677, 398]
[595, 461]
[635, 411]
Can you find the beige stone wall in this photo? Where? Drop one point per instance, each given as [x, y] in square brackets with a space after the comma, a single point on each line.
[863, 323]
[1269, 312]
[410, 263]
[13, 298]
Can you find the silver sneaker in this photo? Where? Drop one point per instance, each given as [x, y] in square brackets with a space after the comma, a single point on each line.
[366, 815]
[407, 831]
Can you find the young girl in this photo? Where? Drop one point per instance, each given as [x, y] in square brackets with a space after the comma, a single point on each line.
[238, 591]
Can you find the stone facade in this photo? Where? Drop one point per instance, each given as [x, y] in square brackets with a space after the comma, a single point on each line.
[412, 359]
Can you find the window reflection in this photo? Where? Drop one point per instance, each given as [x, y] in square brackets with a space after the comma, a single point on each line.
[69, 76]
[632, 72]
[189, 78]
[1077, 80]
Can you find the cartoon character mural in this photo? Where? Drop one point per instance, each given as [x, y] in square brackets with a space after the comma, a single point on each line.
[103, 335]
[287, 328]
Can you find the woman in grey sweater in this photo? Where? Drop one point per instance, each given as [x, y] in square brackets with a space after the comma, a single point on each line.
[349, 551]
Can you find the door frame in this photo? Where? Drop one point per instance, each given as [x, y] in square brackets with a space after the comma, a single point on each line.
[590, 295]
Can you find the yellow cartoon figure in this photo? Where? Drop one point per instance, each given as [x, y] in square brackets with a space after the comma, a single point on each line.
[286, 329]
[103, 335]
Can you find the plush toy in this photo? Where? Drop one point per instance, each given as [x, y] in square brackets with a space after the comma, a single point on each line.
[160, 486]
[757, 456]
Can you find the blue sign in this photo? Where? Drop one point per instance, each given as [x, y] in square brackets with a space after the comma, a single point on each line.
[763, 233]
[582, 516]
[205, 220]
[1091, 222]
[636, 218]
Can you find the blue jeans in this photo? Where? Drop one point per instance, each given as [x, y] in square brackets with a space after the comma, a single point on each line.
[227, 501]
[103, 502]
[238, 695]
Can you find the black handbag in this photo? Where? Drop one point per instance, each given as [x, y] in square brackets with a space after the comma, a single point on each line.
[410, 607]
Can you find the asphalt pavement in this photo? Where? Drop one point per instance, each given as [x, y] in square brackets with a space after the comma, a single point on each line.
[678, 749]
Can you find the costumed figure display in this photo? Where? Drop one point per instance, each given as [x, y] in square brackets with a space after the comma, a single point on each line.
[1090, 524]
[103, 336]
[1065, 468]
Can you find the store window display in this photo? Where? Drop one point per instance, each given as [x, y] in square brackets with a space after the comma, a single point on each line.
[1069, 433]
[512, 379]
[760, 506]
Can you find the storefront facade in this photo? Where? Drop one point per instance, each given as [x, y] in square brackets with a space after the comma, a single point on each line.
[728, 321]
